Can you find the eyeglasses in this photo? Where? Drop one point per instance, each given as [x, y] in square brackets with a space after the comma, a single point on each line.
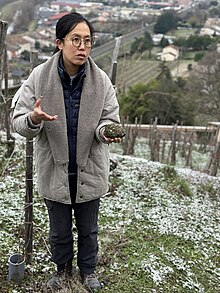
[77, 41]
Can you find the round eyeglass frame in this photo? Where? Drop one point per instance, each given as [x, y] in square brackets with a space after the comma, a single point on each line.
[82, 40]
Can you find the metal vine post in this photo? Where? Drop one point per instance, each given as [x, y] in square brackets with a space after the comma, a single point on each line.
[113, 69]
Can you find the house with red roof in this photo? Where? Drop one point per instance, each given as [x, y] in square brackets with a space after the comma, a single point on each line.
[61, 6]
[55, 17]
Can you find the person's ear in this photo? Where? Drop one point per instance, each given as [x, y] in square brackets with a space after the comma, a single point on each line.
[59, 44]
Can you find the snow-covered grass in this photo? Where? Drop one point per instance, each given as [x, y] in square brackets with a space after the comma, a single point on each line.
[199, 158]
[159, 229]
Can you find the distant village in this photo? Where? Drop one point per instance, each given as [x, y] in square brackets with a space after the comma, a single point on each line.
[42, 38]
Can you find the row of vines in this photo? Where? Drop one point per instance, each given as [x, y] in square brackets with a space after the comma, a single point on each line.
[164, 144]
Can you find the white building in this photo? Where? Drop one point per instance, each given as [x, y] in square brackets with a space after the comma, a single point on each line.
[157, 39]
[169, 53]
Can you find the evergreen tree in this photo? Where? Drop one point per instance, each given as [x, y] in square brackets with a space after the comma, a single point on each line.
[165, 22]
[142, 44]
[161, 98]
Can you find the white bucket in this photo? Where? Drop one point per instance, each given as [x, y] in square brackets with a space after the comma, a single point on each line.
[16, 267]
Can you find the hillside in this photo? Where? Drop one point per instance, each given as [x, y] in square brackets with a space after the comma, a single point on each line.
[3, 2]
[132, 72]
[140, 69]
[19, 12]
[159, 229]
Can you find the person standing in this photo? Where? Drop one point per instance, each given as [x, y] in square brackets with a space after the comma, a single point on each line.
[66, 103]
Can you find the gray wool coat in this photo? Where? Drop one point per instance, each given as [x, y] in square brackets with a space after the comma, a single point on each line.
[98, 107]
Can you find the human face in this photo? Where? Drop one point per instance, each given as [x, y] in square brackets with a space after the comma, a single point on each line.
[73, 56]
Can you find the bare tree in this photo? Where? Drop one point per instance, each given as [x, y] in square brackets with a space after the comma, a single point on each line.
[204, 85]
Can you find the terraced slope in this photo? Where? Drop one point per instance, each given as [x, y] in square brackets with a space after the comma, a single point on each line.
[131, 72]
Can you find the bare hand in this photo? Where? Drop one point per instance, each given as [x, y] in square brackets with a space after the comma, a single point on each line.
[38, 115]
[111, 140]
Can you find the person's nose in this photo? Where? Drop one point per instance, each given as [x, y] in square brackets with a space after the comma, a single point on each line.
[82, 45]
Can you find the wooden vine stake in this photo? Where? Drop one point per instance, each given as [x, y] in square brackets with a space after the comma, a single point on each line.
[4, 75]
[29, 187]
[3, 32]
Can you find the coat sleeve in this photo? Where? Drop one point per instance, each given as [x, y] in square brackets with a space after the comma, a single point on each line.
[110, 112]
[24, 105]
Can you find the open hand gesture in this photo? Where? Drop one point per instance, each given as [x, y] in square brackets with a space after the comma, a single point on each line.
[38, 115]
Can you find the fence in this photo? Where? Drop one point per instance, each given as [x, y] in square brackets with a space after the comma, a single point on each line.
[166, 141]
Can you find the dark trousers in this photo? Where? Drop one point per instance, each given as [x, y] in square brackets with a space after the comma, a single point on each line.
[61, 237]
